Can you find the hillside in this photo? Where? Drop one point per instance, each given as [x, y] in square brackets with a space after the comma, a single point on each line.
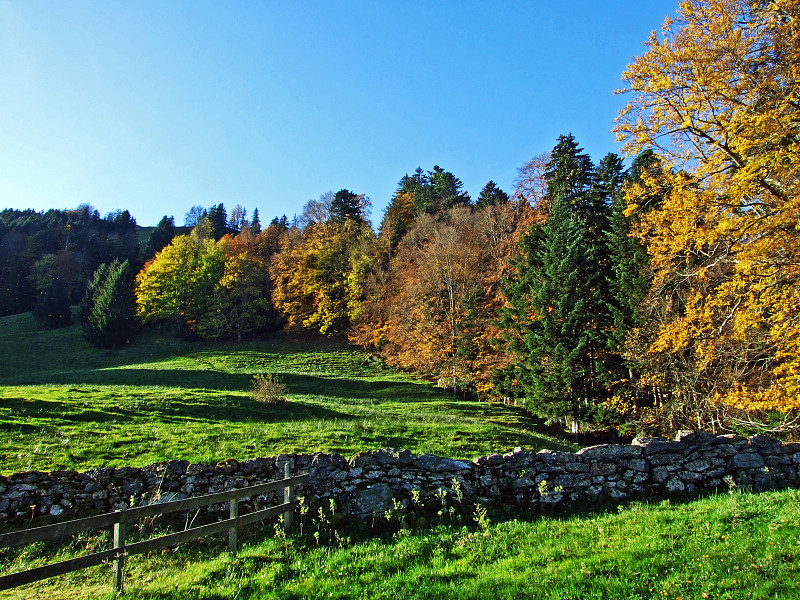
[67, 405]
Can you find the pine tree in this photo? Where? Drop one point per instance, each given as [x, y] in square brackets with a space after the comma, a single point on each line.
[491, 195]
[347, 205]
[161, 236]
[255, 224]
[107, 311]
[551, 320]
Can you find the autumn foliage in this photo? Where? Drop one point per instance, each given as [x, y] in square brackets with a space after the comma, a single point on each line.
[717, 96]
[652, 298]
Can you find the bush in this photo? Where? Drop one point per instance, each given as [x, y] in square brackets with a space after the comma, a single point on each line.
[269, 389]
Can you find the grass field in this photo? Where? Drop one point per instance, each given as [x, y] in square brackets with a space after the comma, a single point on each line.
[65, 404]
[733, 547]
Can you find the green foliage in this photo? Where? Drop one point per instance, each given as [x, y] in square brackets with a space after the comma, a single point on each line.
[51, 307]
[76, 241]
[491, 195]
[177, 285]
[107, 313]
[348, 205]
[434, 191]
[160, 237]
[552, 320]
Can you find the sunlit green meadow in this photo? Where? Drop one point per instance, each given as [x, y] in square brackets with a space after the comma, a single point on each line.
[67, 405]
[733, 547]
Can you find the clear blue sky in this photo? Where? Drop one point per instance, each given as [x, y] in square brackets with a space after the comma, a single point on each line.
[157, 106]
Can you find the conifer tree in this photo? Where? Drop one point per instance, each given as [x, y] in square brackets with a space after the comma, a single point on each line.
[161, 236]
[491, 195]
[551, 320]
[108, 311]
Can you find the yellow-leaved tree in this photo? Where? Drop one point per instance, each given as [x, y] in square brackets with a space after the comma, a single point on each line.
[717, 95]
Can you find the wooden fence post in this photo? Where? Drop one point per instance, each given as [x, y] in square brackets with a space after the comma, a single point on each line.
[118, 566]
[232, 534]
[287, 497]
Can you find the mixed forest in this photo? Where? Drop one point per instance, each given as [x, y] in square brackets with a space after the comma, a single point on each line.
[644, 293]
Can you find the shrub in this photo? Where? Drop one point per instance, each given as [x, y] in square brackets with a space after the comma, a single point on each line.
[269, 389]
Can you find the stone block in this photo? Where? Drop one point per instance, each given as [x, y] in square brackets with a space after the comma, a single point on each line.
[392, 456]
[637, 464]
[695, 438]
[438, 464]
[698, 465]
[658, 460]
[748, 460]
[572, 481]
[610, 451]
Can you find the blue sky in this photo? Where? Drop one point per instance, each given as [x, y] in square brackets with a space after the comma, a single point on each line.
[157, 106]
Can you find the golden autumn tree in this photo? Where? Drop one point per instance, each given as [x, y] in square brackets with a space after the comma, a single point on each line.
[240, 301]
[177, 284]
[433, 307]
[319, 270]
[717, 95]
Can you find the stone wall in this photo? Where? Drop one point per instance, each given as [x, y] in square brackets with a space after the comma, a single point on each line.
[371, 483]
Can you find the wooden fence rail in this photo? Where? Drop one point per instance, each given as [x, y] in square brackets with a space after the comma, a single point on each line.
[117, 520]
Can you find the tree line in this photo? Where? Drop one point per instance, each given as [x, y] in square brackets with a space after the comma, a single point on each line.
[650, 298]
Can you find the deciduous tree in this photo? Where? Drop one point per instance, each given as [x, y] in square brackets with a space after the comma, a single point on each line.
[717, 95]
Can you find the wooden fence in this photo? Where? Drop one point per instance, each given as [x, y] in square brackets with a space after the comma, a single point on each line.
[118, 520]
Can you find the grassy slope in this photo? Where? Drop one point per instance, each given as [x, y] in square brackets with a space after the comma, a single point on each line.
[65, 404]
[731, 547]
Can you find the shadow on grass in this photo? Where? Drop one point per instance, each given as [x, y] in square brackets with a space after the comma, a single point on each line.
[230, 409]
[194, 379]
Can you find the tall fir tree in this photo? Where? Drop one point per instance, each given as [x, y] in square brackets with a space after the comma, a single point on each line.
[347, 205]
[491, 195]
[551, 322]
[161, 236]
[108, 309]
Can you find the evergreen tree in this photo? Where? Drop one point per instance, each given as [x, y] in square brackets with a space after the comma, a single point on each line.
[491, 195]
[255, 224]
[161, 236]
[551, 320]
[347, 205]
[108, 310]
[433, 192]
[218, 219]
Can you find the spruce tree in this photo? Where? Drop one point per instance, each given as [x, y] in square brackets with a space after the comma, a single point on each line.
[551, 319]
[161, 236]
[107, 312]
[347, 205]
[491, 195]
[558, 321]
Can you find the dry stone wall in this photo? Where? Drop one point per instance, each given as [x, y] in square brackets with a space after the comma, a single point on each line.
[370, 483]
